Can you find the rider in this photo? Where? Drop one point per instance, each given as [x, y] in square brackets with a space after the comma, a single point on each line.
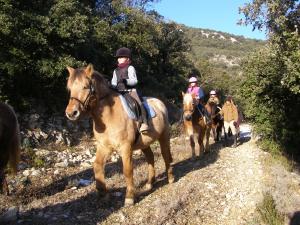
[230, 113]
[199, 94]
[213, 97]
[124, 80]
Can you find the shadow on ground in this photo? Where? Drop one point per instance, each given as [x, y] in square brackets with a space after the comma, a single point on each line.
[90, 209]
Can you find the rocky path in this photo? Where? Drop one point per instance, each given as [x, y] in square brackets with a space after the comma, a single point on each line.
[222, 187]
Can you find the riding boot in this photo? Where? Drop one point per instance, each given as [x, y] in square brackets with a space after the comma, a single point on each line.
[234, 141]
[144, 126]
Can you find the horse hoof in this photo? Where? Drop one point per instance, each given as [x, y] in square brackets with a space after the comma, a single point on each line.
[171, 180]
[148, 187]
[129, 202]
[103, 196]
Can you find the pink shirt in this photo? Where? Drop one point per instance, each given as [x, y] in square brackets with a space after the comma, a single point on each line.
[197, 91]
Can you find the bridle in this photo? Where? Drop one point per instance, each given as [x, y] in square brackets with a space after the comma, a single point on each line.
[191, 111]
[86, 102]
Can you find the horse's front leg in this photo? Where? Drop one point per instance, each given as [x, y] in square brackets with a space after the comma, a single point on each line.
[99, 164]
[214, 133]
[192, 143]
[201, 136]
[3, 184]
[126, 153]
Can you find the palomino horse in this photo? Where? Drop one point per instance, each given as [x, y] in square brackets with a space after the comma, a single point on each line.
[114, 130]
[193, 122]
[217, 120]
[9, 143]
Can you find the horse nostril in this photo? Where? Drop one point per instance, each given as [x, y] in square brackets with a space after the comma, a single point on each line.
[188, 117]
[75, 113]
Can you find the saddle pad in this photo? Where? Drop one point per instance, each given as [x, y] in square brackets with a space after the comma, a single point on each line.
[131, 114]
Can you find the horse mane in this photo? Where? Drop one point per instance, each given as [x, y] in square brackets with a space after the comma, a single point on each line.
[79, 74]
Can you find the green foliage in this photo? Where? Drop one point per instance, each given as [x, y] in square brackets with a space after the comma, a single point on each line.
[268, 212]
[272, 75]
[39, 39]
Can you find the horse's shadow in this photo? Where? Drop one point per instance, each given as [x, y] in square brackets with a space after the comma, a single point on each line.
[28, 193]
[98, 208]
[181, 168]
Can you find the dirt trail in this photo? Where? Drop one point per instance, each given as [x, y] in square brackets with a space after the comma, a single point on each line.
[222, 187]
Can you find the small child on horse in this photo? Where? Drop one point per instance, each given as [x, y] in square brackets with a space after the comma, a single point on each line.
[124, 80]
[199, 95]
[214, 98]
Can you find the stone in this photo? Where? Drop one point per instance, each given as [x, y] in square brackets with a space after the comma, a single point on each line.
[26, 173]
[35, 173]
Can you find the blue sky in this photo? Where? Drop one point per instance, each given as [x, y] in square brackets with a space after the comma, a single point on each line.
[220, 15]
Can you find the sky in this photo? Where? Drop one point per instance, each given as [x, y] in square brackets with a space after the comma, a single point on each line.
[219, 15]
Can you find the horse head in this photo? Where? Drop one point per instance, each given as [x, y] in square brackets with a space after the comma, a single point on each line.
[85, 86]
[189, 103]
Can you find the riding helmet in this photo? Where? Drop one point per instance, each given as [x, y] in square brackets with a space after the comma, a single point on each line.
[193, 80]
[123, 52]
[213, 92]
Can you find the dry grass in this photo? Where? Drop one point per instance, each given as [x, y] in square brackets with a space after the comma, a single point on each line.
[268, 212]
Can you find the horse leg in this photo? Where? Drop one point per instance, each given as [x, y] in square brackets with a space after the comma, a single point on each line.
[206, 135]
[128, 173]
[215, 134]
[164, 142]
[151, 172]
[3, 183]
[192, 143]
[200, 143]
[219, 131]
[99, 165]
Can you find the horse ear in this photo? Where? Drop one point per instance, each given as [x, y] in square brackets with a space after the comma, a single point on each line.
[89, 70]
[182, 94]
[71, 70]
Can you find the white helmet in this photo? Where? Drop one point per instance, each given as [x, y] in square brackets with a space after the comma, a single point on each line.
[213, 92]
[193, 79]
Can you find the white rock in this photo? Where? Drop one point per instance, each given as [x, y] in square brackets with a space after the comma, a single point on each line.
[35, 173]
[26, 173]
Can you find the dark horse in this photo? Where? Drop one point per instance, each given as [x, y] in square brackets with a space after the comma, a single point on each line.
[114, 130]
[9, 143]
[217, 120]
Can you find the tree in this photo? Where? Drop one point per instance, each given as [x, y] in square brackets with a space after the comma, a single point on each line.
[272, 88]
[39, 39]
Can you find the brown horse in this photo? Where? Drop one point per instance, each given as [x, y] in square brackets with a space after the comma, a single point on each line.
[114, 130]
[193, 122]
[217, 121]
[9, 143]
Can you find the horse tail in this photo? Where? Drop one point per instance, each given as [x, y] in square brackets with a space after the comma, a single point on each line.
[14, 148]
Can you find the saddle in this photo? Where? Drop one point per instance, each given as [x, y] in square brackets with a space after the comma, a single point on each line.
[134, 106]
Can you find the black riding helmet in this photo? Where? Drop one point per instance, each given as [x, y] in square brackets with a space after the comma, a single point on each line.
[123, 52]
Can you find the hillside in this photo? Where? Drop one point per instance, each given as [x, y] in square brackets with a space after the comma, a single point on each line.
[221, 49]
